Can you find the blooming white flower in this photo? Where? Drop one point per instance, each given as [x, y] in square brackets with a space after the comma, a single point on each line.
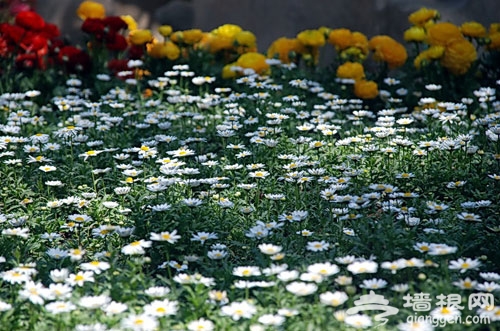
[246, 271]
[58, 307]
[333, 299]
[270, 319]
[464, 264]
[141, 322]
[358, 321]
[301, 289]
[374, 283]
[360, 267]
[201, 325]
[161, 308]
[113, 308]
[445, 313]
[80, 278]
[317, 246]
[323, 269]
[238, 310]
[94, 301]
[270, 249]
[136, 247]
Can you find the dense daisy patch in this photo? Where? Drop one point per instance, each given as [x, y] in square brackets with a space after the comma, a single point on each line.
[287, 197]
[243, 206]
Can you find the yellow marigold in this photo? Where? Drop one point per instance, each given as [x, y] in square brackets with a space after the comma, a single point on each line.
[340, 38]
[353, 54]
[253, 60]
[311, 38]
[246, 38]
[494, 43]
[227, 72]
[325, 30]
[140, 36]
[131, 23]
[283, 48]
[422, 16]
[167, 50]
[189, 37]
[217, 43]
[365, 89]
[432, 53]
[388, 50]
[165, 30]
[90, 9]
[443, 33]
[360, 41]
[473, 29]
[494, 27]
[351, 70]
[415, 34]
[227, 30]
[435, 52]
[458, 56]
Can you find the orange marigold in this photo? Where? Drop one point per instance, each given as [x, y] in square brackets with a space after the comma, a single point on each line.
[366, 89]
[253, 60]
[90, 9]
[473, 29]
[458, 56]
[284, 49]
[360, 41]
[388, 50]
[422, 16]
[443, 33]
[351, 70]
[340, 38]
[311, 38]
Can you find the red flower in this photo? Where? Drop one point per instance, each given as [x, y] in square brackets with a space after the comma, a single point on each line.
[4, 49]
[114, 23]
[115, 66]
[14, 34]
[135, 52]
[116, 42]
[94, 26]
[33, 42]
[30, 20]
[50, 31]
[29, 61]
[74, 59]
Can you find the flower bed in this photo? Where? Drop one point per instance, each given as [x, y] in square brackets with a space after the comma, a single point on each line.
[193, 183]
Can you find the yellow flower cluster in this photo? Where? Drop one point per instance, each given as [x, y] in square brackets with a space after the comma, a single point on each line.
[351, 46]
[445, 42]
[453, 47]
[363, 88]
